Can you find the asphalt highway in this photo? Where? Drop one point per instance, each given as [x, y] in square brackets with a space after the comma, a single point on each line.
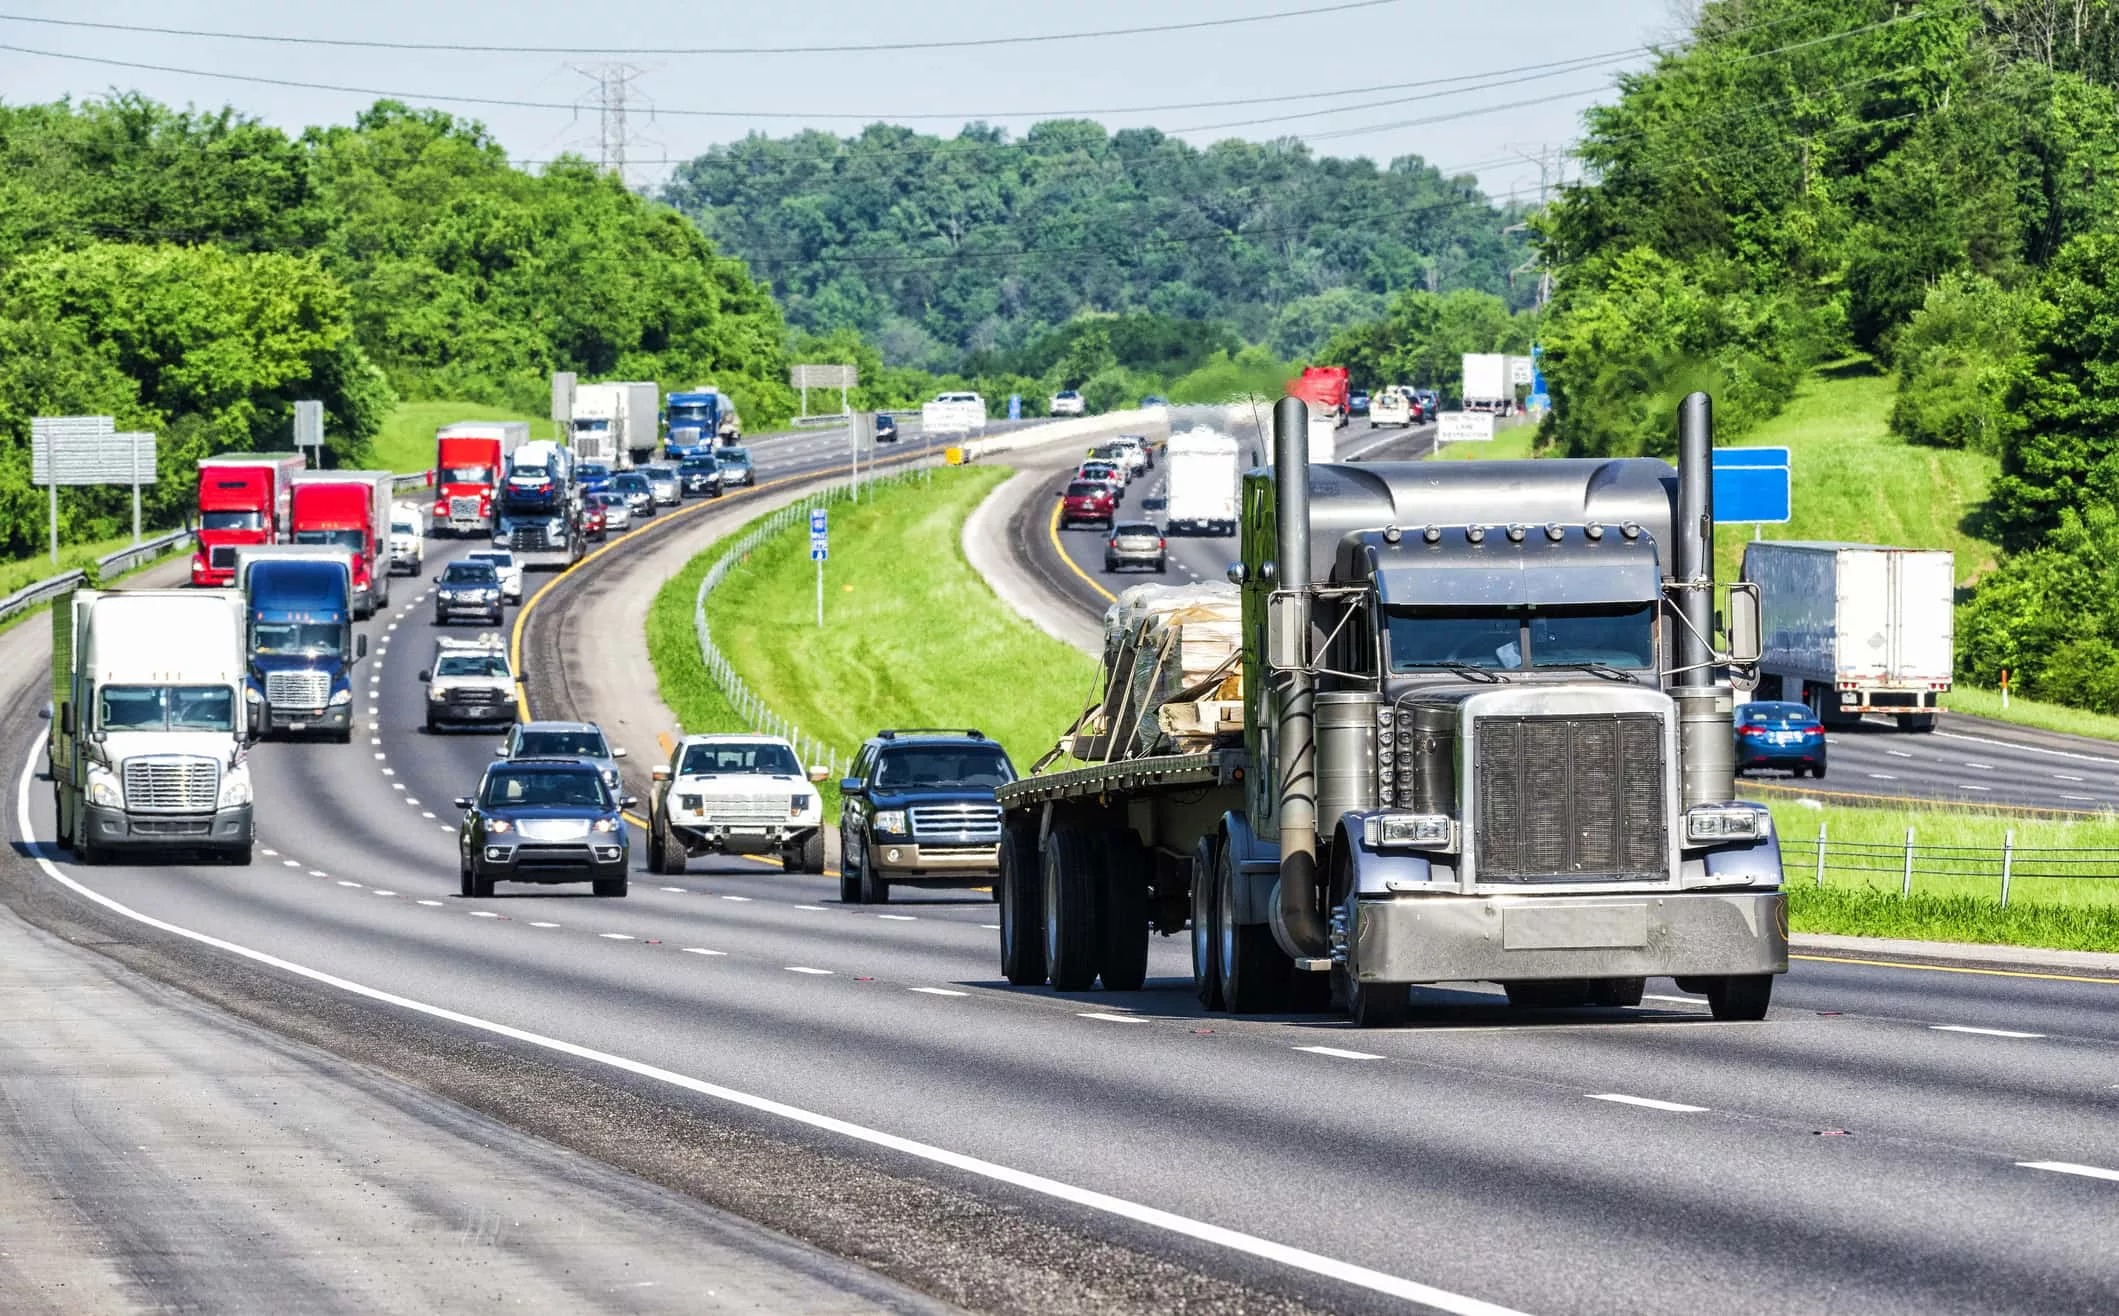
[1889, 1139]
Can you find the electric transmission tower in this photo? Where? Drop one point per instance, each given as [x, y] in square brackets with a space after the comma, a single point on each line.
[614, 99]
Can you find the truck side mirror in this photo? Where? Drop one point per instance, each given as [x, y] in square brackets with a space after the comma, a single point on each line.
[360, 647]
[1288, 630]
[851, 786]
[426, 676]
[660, 772]
[618, 752]
[1746, 624]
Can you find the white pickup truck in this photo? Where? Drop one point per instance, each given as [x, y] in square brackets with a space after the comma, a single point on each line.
[735, 794]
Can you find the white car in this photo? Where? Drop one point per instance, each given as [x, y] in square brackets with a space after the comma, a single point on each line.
[407, 540]
[1134, 448]
[735, 794]
[1390, 407]
[506, 567]
[470, 683]
[1067, 402]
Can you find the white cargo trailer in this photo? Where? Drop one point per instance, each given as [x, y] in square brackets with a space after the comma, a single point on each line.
[1487, 385]
[1853, 629]
[1203, 483]
[615, 424]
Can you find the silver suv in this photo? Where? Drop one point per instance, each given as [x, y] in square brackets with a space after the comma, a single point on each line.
[564, 740]
[1136, 544]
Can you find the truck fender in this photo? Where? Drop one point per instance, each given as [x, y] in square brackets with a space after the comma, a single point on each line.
[1257, 868]
[1754, 862]
[1374, 870]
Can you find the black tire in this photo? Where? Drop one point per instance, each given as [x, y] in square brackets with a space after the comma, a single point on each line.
[481, 885]
[1818, 772]
[343, 737]
[1254, 971]
[609, 887]
[86, 852]
[1072, 942]
[1562, 994]
[431, 727]
[875, 890]
[1021, 890]
[1376, 1004]
[465, 886]
[1740, 997]
[1124, 922]
[853, 889]
[812, 853]
[1619, 993]
[1206, 925]
[665, 852]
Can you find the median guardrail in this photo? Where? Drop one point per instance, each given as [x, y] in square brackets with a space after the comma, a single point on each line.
[1987, 871]
[43, 591]
[147, 550]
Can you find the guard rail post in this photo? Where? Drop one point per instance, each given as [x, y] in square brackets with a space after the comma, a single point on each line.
[1905, 890]
[1820, 856]
[2008, 863]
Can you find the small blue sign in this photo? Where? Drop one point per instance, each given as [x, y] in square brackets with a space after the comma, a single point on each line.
[817, 522]
[1752, 486]
[1015, 406]
[817, 551]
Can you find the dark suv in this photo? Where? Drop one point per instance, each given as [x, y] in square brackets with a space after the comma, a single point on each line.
[542, 820]
[919, 809]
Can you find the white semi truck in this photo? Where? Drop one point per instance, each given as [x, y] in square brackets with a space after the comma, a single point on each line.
[149, 730]
[1203, 483]
[616, 424]
[1487, 383]
[1854, 629]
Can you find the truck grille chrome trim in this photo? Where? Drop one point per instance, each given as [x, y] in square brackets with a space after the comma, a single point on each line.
[1571, 799]
[172, 785]
[463, 509]
[302, 689]
[960, 824]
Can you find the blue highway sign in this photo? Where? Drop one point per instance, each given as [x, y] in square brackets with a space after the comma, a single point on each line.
[1752, 486]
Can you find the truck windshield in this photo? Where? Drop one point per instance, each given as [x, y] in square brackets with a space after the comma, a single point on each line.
[166, 708]
[304, 637]
[467, 475]
[591, 426]
[691, 413]
[352, 539]
[233, 520]
[1512, 639]
[471, 664]
[935, 766]
[757, 758]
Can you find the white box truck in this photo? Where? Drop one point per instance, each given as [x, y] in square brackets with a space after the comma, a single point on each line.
[1203, 483]
[1487, 385]
[1853, 629]
[615, 424]
[954, 413]
[148, 723]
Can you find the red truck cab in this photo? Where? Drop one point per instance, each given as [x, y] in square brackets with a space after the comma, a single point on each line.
[1325, 388]
[243, 499]
[351, 510]
[469, 457]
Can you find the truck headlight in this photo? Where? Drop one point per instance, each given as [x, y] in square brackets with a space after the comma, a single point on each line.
[1727, 822]
[344, 696]
[889, 820]
[103, 790]
[1409, 831]
[235, 789]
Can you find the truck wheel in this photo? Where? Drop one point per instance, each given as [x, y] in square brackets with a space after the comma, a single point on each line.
[1125, 913]
[238, 855]
[1021, 888]
[1254, 971]
[852, 890]
[1206, 927]
[1740, 997]
[1071, 940]
[1623, 993]
[1375, 1004]
[609, 887]
[812, 852]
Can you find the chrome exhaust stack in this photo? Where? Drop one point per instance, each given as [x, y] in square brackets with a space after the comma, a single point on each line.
[1705, 702]
[1298, 923]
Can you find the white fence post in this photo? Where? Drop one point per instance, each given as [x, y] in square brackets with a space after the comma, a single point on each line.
[1821, 856]
[2008, 863]
[1905, 890]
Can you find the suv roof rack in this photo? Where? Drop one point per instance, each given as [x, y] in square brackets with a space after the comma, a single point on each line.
[894, 732]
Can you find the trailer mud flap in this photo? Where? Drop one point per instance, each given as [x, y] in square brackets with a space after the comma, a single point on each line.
[1574, 927]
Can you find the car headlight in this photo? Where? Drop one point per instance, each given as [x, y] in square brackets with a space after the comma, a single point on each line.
[103, 790]
[344, 696]
[235, 788]
[1409, 831]
[888, 820]
[490, 595]
[1727, 822]
[604, 825]
[499, 826]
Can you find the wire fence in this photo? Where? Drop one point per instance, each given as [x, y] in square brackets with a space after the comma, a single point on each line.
[744, 700]
[1960, 868]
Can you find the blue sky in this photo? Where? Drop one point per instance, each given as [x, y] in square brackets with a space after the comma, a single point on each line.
[1397, 77]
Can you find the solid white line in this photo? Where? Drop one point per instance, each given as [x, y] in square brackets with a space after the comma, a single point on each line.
[796, 968]
[2024, 749]
[1169, 1221]
[937, 991]
[1108, 1018]
[1339, 1052]
[1983, 1032]
[2069, 1167]
[1649, 1102]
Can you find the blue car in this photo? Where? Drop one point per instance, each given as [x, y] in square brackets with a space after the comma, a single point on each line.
[1778, 734]
[886, 427]
[592, 477]
[543, 820]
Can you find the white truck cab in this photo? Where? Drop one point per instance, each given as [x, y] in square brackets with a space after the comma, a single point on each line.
[736, 794]
[408, 542]
[471, 683]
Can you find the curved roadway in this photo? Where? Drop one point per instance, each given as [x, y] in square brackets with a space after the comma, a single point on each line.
[1891, 1139]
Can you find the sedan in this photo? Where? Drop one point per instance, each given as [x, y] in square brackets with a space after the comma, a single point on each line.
[1357, 402]
[1779, 734]
[617, 512]
[736, 467]
[639, 495]
[1136, 544]
[544, 821]
[700, 476]
[663, 480]
[594, 524]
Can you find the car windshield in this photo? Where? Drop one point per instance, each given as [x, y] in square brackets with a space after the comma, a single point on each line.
[337, 538]
[469, 573]
[236, 520]
[471, 664]
[1512, 639]
[526, 469]
[595, 471]
[467, 475]
[760, 758]
[1084, 489]
[661, 474]
[166, 708]
[410, 528]
[734, 456]
[917, 767]
[609, 500]
[630, 480]
[1772, 710]
[498, 559]
[699, 466]
[294, 637]
[565, 788]
[1138, 528]
[561, 744]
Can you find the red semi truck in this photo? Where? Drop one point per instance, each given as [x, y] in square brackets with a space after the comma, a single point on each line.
[1324, 388]
[242, 500]
[350, 509]
[468, 459]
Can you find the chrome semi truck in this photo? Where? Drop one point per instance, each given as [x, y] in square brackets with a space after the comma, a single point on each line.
[1485, 736]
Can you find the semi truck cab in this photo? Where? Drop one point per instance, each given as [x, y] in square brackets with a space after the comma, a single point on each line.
[301, 646]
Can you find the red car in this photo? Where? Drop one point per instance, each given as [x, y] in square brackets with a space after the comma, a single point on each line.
[593, 523]
[1088, 502]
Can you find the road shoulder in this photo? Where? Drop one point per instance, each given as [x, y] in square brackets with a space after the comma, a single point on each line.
[2095, 964]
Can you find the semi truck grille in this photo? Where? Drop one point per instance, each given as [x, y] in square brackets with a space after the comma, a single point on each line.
[1570, 799]
[463, 509]
[221, 557]
[172, 785]
[297, 689]
[963, 824]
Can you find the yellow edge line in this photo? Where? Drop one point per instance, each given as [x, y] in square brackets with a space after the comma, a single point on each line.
[1950, 968]
[1072, 565]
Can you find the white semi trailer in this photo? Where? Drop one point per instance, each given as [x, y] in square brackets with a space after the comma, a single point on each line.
[1854, 629]
[615, 424]
[1202, 483]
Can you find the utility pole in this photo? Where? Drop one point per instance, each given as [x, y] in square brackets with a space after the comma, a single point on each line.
[613, 99]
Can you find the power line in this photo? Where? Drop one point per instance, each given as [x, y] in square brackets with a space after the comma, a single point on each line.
[864, 47]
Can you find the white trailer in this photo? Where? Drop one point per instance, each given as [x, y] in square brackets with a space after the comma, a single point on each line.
[1852, 629]
[615, 424]
[954, 413]
[1203, 481]
[1487, 383]
[148, 723]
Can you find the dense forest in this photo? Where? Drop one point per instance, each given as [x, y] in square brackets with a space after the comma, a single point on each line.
[1923, 188]
[965, 254]
[194, 274]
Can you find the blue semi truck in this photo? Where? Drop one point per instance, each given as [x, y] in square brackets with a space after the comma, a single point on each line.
[299, 642]
[695, 420]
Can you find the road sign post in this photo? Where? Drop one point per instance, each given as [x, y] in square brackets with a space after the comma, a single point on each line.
[309, 430]
[842, 378]
[1753, 486]
[79, 450]
[819, 549]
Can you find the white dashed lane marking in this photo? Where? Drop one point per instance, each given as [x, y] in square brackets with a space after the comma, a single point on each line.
[816, 908]
[292, 863]
[821, 973]
[1984, 767]
[615, 936]
[544, 925]
[2069, 1167]
[899, 918]
[2066, 776]
[1108, 1018]
[1649, 1103]
[938, 991]
[435, 903]
[382, 893]
[1339, 1053]
[741, 900]
[1983, 1032]
[701, 950]
[1882, 776]
[483, 913]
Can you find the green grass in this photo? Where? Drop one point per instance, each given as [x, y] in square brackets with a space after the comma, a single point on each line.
[407, 441]
[20, 572]
[1857, 913]
[2031, 713]
[913, 635]
[1508, 444]
[1854, 480]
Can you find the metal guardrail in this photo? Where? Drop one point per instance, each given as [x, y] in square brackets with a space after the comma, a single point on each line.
[147, 550]
[43, 591]
[739, 695]
[1871, 863]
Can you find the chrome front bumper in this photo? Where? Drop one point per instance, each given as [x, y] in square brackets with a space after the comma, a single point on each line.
[1438, 938]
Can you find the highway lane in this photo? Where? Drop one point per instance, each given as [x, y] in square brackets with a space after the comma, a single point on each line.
[1490, 1138]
